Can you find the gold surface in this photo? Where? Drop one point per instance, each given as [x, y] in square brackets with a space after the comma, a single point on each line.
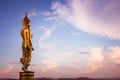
[27, 47]
[26, 76]
[26, 73]
[26, 21]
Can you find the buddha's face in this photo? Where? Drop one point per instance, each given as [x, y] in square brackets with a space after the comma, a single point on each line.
[26, 25]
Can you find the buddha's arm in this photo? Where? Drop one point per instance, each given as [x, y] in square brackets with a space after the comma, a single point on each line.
[30, 40]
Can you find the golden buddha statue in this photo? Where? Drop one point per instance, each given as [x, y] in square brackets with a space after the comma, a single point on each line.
[27, 47]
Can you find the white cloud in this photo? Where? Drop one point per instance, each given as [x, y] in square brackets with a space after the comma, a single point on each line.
[36, 13]
[46, 35]
[45, 13]
[31, 14]
[47, 32]
[51, 18]
[94, 16]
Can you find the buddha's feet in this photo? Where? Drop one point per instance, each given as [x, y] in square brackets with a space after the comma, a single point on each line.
[24, 69]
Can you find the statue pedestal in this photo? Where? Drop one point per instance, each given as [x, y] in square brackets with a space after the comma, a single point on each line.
[26, 75]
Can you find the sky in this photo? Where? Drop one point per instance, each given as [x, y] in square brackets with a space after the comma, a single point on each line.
[71, 38]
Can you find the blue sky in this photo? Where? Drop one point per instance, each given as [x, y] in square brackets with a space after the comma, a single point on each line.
[69, 36]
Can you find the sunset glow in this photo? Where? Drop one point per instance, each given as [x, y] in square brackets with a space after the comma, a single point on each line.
[71, 38]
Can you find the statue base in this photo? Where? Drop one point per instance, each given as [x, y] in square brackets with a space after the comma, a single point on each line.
[26, 75]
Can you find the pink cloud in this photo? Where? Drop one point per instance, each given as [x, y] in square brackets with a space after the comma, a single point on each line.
[114, 55]
[95, 61]
[97, 65]
[8, 72]
[49, 65]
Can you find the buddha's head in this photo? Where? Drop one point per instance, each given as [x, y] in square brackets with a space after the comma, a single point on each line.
[26, 21]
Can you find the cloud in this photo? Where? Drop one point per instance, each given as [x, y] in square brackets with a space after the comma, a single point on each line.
[52, 68]
[114, 55]
[37, 13]
[96, 16]
[49, 64]
[7, 70]
[96, 60]
[76, 33]
[47, 34]
[102, 59]
[31, 14]
[84, 52]
[51, 18]
[45, 13]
